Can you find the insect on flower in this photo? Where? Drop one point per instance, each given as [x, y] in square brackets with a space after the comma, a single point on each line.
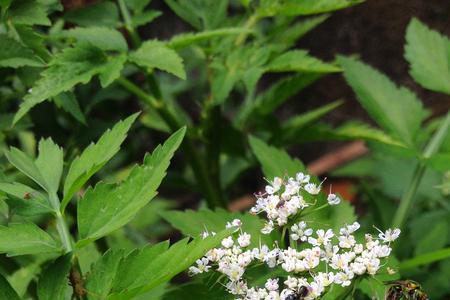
[405, 289]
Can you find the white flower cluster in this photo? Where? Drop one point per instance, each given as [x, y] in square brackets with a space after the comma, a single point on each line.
[282, 199]
[315, 259]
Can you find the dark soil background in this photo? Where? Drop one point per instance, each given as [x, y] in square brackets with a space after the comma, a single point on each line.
[374, 30]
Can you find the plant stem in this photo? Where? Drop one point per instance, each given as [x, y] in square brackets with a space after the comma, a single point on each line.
[251, 21]
[61, 225]
[407, 199]
[128, 23]
[204, 180]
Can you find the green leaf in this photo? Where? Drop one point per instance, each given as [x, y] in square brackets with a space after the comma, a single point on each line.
[101, 37]
[289, 34]
[99, 281]
[277, 94]
[94, 157]
[304, 7]
[145, 17]
[160, 267]
[155, 54]
[68, 68]
[185, 11]
[300, 61]
[397, 110]
[50, 164]
[193, 223]
[54, 280]
[425, 259]
[275, 162]
[439, 161]
[69, 103]
[435, 238]
[186, 39]
[108, 207]
[28, 12]
[26, 238]
[6, 290]
[112, 69]
[103, 13]
[293, 125]
[356, 130]
[14, 55]
[25, 201]
[427, 52]
[26, 165]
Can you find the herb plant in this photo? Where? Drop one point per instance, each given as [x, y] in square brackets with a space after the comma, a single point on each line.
[78, 222]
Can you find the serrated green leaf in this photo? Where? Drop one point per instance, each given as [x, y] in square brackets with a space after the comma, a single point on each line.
[397, 110]
[145, 17]
[186, 12]
[103, 13]
[275, 162]
[14, 55]
[356, 130]
[137, 5]
[112, 69]
[94, 157]
[101, 37]
[28, 12]
[163, 267]
[300, 61]
[187, 39]
[50, 164]
[304, 7]
[54, 280]
[108, 207]
[136, 264]
[6, 290]
[26, 165]
[25, 201]
[26, 238]
[70, 67]
[293, 125]
[428, 54]
[193, 223]
[288, 35]
[99, 281]
[276, 95]
[69, 103]
[155, 54]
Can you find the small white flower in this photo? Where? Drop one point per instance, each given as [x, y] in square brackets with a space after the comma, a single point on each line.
[333, 199]
[390, 235]
[234, 223]
[300, 232]
[272, 284]
[244, 239]
[312, 188]
[227, 242]
[323, 237]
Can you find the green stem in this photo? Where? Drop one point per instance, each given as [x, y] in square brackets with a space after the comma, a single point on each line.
[408, 196]
[61, 225]
[204, 180]
[407, 199]
[251, 21]
[129, 23]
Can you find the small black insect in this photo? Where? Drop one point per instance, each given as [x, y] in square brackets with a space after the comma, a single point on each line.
[299, 295]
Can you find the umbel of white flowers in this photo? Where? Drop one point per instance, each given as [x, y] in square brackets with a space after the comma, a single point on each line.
[339, 253]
